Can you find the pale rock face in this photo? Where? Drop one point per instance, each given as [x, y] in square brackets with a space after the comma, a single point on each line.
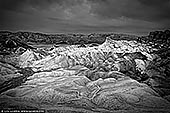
[140, 65]
[30, 58]
[72, 79]
[27, 58]
[149, 56]
[53, 90]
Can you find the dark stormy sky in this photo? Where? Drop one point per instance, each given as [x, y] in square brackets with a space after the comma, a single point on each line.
[85, 16]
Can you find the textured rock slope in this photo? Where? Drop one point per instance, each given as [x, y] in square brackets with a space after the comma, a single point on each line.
[103, 78]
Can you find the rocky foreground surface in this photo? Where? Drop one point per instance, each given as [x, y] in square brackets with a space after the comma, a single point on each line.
[119, 76]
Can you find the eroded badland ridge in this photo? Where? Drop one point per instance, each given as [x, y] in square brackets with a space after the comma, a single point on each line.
[90, 73]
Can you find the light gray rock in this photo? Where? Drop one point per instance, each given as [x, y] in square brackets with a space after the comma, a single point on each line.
[72, 79]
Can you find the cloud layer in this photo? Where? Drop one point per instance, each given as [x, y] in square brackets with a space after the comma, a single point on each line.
[86, 16]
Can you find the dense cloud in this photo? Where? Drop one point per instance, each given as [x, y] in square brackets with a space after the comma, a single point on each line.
[129, 16]
[149, 10]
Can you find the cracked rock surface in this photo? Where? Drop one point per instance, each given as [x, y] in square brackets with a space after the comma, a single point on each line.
[116, 76]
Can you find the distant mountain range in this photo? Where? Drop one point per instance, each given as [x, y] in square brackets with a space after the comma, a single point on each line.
[41, 38]
[10, 41]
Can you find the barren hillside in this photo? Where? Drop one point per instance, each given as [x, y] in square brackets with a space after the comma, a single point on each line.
[93, 73]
